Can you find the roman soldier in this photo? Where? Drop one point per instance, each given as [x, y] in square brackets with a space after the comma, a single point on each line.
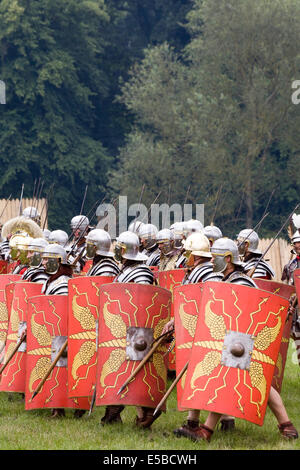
[36, 270]
[294, 263]
[168, 253]
[225, 259]
[54, 260]
[98, 249]
[80, 226]
[213, 233]
[147, 235]
[133, 270]
[33, 214]
[58, 236]
[247, 241]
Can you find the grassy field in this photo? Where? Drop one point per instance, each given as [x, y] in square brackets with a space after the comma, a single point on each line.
[35, 430]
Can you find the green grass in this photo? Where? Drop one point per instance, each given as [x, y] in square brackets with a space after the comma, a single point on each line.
[35, 430]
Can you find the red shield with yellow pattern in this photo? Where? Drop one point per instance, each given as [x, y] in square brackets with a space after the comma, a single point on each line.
[46, 334]
[5, 280]
[13, 376]
[82, 332]
[3, 266]
[235, 348]
[297, 283]
[186, 303]
[286, 291]
[131, 319]
[169, 280]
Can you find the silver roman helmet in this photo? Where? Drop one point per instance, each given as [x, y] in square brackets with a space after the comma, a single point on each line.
[98, 241]
[177, 229]
[35, 250]
[127, 247]
[32, 213]
[79, 224]
[220, 249]
[53, 255]
[147, 234]
[58, 236]
[250, 236]
[46, 233]
[213, 233]
[165, 240]
[190, 226]
[135, 226]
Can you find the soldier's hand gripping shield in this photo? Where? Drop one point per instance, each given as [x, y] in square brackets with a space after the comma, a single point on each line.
[169, 280]
[131, 319]
[235, 348]
[47, 332]
[13, 376]
[286, 291]
[84, 297]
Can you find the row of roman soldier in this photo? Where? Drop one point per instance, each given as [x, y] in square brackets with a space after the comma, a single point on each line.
[102, 336]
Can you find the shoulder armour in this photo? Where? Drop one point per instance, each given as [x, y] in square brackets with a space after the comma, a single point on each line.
[263, 269]
[242, 279]
[59, 286]
[105, 267]
[140, 274]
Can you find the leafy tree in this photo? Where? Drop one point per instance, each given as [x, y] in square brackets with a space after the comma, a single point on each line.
[51, 54]
[219, 121]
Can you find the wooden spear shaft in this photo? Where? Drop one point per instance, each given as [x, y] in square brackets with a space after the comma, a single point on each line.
[141, 364]
[60, 353]
[13, 353]
[169, 391]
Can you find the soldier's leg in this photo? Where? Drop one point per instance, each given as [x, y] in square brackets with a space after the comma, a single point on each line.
[276, 405]
[191, 424]
[227, 423]
[112, 414]
[145, 416]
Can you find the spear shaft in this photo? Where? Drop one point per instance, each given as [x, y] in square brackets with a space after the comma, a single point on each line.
[13, 353]
[60, 353]
[141, 364]
[169, 391]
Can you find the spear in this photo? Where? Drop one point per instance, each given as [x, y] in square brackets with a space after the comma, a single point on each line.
[93, 401]
[21, 197]
[151, 205]
[216, 207]
[33, 196]
[60, 353]
[141, 364]
[75, 243]
[259, 223]
[39, 195]
[23, 336]
[46, 203]
[167, 394]
[267, 206]
[83, 201]
[267, 249]
[142, 191]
